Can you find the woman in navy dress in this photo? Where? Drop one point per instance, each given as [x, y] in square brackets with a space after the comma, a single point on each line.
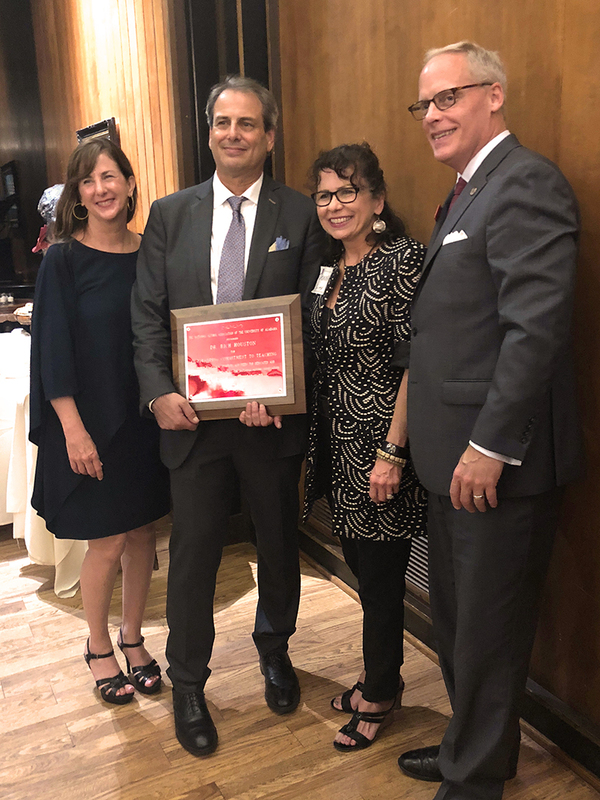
[98, 474]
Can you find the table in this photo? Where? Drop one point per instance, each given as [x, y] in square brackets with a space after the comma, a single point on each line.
[17, 470]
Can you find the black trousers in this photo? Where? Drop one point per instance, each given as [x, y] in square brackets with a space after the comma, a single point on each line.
[380, 568]
[486, 573]
[202, 500]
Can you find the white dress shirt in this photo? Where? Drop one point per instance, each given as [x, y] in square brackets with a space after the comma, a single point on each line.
[222, 216]
[480, 156]
[467, 174]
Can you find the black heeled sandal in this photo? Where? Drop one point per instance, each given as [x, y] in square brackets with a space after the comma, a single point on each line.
[109, 687]
[349, 729]
[139, 675]
[345, 699]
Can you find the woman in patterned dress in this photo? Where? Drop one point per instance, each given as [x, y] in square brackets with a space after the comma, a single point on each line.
[358, 456]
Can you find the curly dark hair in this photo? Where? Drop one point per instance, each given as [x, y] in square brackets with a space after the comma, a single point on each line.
[354, 162]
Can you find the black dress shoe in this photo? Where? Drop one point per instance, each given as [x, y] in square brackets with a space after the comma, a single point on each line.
[194, 727]
[282, 690]
[422, 764]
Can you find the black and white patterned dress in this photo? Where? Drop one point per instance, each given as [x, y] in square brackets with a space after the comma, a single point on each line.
[361, 354]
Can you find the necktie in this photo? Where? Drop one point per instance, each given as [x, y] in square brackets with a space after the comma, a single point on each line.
[230, 285]
[460, 185]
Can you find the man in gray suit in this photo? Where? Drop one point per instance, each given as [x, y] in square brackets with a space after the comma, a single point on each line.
[491, 410]
[240, 235]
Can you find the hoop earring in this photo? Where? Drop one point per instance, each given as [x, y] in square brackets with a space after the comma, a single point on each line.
[379, 225]
[130, 205]
[81, 219]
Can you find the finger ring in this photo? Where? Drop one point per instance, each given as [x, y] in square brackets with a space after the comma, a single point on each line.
[477, 496]
[389, 496]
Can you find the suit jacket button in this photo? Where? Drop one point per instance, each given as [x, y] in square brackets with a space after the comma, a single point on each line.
[415, 331]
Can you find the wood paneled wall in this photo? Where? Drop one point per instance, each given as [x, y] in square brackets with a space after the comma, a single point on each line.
[99, 59]
[349, 71]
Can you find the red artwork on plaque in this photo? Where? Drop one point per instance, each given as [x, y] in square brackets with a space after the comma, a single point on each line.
[235, 358]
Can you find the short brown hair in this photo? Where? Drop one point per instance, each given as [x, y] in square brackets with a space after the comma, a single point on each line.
[239, 83]
[81, 163]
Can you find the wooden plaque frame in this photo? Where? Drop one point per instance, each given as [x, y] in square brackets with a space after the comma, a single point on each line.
[294, 399]
[106, 128]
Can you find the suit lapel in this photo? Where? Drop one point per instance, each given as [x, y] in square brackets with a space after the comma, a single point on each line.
[263, 237]
[465, 199]
[201, 214]
[468, 195]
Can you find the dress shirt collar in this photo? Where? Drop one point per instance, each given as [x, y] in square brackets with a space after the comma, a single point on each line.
[479, 157]
[221, 193]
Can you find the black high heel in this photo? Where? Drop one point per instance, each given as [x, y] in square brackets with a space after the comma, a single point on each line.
[109, 686]
[350, 729]
[346, 697]
[139, 675]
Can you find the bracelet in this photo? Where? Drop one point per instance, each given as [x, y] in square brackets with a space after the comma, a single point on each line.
[395, 450]
[399, 462]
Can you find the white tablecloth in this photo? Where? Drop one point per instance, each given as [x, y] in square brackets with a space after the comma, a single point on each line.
[14, 382]
[17, 469]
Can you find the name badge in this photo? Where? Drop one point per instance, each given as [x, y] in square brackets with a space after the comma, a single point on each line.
[323, 280]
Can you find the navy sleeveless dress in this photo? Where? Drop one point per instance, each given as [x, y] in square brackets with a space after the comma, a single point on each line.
[82, 347]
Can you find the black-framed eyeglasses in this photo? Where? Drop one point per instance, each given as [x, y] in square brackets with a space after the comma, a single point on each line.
[347, 194]
[442, 100]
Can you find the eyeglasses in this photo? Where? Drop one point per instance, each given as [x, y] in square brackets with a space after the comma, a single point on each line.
[442, 100]
[347, 194]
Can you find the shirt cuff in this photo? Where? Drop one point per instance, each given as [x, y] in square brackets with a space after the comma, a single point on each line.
[498, 456]
[151, 403]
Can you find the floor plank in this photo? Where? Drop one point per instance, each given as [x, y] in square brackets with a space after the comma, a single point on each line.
[61, 742]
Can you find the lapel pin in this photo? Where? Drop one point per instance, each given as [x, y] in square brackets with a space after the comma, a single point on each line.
[473, 190]
[272, 201]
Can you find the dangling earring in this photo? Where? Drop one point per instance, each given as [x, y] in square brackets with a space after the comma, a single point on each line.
[81, 219]
[379, 225]
[130, 203]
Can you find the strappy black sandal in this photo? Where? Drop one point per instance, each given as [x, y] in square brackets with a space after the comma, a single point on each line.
[139, 675]
[109, 686]
[346, 697]
[349, 729]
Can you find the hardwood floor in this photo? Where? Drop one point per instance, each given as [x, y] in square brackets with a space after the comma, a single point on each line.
[61, 742]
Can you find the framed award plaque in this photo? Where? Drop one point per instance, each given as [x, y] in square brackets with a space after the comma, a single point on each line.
[230, 354]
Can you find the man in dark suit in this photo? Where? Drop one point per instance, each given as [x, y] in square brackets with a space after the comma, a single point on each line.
[491, 410]
[240, 235]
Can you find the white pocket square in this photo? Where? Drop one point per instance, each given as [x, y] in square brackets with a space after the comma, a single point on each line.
[455, 236]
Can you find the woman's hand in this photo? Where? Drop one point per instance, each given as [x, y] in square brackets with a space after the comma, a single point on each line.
[384, 481]
[83, 455]
[257, 416]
